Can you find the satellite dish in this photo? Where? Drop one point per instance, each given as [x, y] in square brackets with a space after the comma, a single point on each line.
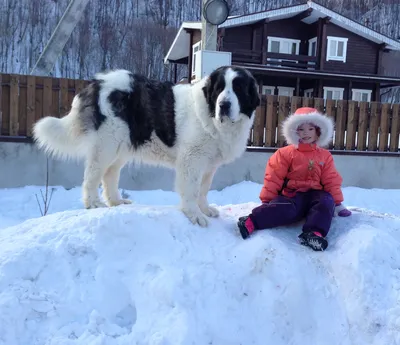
[216, 11]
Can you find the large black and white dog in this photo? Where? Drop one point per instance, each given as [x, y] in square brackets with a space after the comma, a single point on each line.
[192, 128]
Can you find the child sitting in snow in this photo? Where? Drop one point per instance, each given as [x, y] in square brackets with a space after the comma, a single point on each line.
[300, 181]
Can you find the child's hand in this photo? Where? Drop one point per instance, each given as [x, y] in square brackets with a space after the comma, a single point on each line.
[342, 211]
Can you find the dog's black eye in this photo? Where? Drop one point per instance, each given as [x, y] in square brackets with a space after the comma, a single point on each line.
[238, 86]
[219, 86]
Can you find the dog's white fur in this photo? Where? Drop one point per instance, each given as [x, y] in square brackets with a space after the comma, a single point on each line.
[203, 143]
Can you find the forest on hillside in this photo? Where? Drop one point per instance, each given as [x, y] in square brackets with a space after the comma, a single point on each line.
[136, 34]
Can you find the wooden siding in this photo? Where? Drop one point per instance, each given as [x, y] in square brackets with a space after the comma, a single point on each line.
[361, 53]
[238, 38]
[196, 37]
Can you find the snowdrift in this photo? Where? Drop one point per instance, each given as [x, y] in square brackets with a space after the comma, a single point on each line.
[138, 274]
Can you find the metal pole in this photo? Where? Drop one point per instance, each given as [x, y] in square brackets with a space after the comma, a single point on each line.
[59, 38]
[209, 33]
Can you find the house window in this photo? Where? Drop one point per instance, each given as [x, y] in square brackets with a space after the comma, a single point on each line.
[268, 90]
[361, 95]
[312, 47]
[333, 93]
[283, 45]
[285, 91]
[195, 48]
[309, 93]
[336, 49]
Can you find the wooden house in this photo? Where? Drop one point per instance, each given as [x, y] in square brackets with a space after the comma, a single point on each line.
[303, 50]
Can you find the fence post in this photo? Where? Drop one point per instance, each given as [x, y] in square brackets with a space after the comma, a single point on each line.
[384, 127]
[259, 124]
[283, 112]
[373, 127]
[394, 133]
[14, 93]
[352, 124]
[362, 127]
[271, 120]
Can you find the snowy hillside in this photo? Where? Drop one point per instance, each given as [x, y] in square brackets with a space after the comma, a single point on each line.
[142, 274]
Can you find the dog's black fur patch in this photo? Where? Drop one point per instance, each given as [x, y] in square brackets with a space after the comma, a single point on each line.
[89, 106]
[148, 108]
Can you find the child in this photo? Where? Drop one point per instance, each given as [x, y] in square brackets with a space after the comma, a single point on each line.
[300, 181]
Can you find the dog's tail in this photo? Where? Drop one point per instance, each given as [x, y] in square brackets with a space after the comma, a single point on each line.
[61, 138]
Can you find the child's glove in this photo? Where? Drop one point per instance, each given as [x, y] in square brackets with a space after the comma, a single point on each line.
[342, 211]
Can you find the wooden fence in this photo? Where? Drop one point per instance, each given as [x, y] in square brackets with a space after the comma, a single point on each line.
[25, 99]
[360, 126]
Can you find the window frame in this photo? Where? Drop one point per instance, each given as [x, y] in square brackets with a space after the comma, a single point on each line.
[268, 87]
[283, 39]
[330, 57]
[308, 90]
[361, 91]
[333, 89]
[286, 88]
[310, 42]
[194, 46]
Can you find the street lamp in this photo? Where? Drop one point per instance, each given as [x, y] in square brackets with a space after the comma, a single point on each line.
[215, 12]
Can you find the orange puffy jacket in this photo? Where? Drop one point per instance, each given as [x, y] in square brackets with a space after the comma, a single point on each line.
[294, 169]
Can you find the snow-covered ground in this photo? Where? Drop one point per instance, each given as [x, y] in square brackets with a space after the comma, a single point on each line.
[142, 274]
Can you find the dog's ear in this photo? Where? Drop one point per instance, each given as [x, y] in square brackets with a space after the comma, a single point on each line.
[207, 89]
[254, 95]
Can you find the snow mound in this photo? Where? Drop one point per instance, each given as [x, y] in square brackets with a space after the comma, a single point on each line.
[139, 274]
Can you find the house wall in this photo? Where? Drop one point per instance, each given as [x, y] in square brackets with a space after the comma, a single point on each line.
[238, 38]
[23, 165]
[196, 37]
[361, 53]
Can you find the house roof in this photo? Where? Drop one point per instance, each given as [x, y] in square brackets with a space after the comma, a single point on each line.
[179, 48]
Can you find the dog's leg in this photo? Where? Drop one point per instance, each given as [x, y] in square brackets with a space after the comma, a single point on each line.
[110, 183]
[94, 171]
[188, 181]
[205, 187]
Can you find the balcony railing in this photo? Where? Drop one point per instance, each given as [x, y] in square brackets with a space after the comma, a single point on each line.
[274, 59]
[246, 56]
[291, 60]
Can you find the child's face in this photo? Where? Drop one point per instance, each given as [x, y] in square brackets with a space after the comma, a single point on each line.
[307, 133]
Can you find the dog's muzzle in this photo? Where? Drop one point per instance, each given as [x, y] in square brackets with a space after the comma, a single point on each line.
[224, 108]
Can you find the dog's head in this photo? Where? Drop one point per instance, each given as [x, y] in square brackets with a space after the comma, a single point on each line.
[231, 93]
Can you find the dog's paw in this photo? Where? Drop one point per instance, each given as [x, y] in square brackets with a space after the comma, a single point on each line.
[119, 202]
[196, 217]
[209, 211]
[94, 204]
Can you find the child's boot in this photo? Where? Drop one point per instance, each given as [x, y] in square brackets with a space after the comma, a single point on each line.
[246, 226]
[313, 240]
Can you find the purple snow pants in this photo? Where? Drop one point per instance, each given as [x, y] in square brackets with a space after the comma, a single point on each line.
[316, 206]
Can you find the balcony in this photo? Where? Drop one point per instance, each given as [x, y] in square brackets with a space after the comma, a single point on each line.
[274, 59]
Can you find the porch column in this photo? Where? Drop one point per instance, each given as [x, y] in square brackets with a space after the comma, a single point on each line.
[349, 93]
[220, 44]
[321, 42]
[264, 43]
[320, 90]
[297, 86]
[377, 94]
